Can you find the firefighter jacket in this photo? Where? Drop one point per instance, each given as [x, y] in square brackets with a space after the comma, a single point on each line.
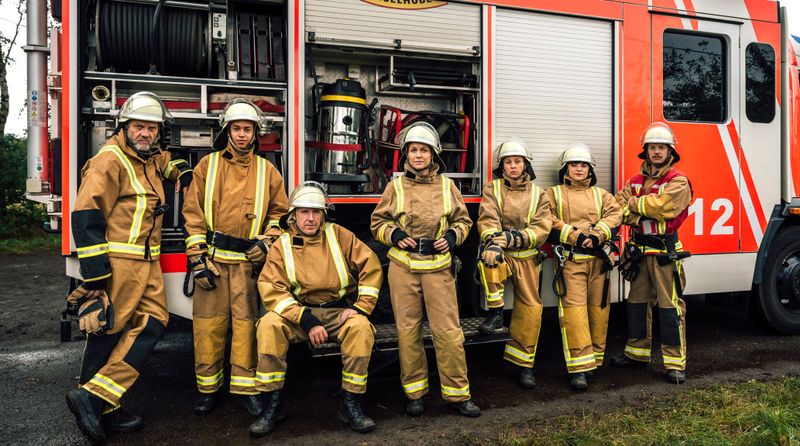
[119, 207]
[321, 269]
[655, 202]
[241, 196]
[515, 204]
[424, 206]
[579, 208]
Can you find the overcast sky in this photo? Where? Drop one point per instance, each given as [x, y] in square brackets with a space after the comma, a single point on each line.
[16, 121]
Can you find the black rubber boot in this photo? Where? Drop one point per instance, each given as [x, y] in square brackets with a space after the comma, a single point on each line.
[274, 411]
[415, 407]
[87, 409]
[205, 404]
[578, 381]
[622, 360]
[467, 408]
[526, 378]
[251, 403]
[676, 376]
[351, 412]
[493, 322]
[120, 422]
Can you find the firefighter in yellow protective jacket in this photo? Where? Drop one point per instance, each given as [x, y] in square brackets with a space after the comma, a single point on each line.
[116, 224]
[231, 212]
[584, 219]
[654, 204]
[422, 216]
[320, 284]
[513, 223]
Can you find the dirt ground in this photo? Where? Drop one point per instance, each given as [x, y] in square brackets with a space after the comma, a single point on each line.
[36, 370]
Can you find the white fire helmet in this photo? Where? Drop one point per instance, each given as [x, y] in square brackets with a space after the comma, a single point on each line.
[420, 132]
[238, 110]
[659, 133]
[577, 152]
[310, 195]
[512, 147]
[143, 106]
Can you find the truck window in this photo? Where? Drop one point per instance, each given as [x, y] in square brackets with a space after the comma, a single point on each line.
[760, 82]
[695, 69]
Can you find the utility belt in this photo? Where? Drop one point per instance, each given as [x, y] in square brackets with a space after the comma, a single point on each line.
[424, 247]
[608, 252]
[343, 302]
[227, 242]
[664, 242]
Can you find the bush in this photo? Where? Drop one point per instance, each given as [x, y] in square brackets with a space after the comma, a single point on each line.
[19, 218]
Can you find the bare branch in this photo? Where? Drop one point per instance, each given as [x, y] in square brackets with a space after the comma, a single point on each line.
[11, 42]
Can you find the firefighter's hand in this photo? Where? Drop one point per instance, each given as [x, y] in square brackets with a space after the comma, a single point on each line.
[95, 312]
[317, 335]
[204, 272]
[501, 239]
[585, 241]
[402, 240]
[445, 244]
[347, 314]
[94, 294]
[258, 252]
[491, 256]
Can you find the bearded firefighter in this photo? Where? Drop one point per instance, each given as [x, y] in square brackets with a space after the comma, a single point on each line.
[422, 217]
[654, 204]
[231, 213]
[320, 285]
[585, 217]
[116, 224]
[513, 222]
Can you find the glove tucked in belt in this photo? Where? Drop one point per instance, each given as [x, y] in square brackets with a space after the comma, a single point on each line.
[204, 271]
[258, 252]
[95, 314]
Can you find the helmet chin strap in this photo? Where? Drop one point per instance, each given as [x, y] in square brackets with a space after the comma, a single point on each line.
[144, 153]
[242, 151]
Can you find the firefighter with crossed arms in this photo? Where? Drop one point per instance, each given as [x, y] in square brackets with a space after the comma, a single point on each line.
[116, 224]
[514, 221]
[422, 217]
[584, 220]
[231, 212]
[654, 204]
[320, 284]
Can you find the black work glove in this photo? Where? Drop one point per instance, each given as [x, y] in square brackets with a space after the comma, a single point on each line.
[397, 235]
[450, 238]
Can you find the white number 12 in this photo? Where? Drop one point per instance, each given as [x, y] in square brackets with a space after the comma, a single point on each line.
[720, 226]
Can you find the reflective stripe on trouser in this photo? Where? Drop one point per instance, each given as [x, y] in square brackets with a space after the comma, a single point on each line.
[136, 290]
[234, 300]
[437, 292]
[493, 282]
[655, 287]
[356, 336]
[526, 317]
[583, 323]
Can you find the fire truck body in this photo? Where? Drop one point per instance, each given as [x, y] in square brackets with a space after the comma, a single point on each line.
[723, 74]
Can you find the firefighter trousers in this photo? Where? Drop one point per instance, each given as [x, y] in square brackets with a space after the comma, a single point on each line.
[113, 361]
[583, 320]
[656, 286]
[234, 301]
[356, 336]
[436, 292]
[526, 317]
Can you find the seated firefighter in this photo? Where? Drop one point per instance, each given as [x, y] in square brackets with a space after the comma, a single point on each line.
[311, 271]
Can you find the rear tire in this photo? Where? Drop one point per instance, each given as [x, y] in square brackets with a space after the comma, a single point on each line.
[777, 299]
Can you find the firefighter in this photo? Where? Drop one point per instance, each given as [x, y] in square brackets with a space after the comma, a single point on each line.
[311, 295]
[654, 204]
[513, 222]
[585, 217]
[231, 213]
[116, 224]
[422, 217]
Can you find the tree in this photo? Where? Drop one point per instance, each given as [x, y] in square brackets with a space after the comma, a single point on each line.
[7, 43]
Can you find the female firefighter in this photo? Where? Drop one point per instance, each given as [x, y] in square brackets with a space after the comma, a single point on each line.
[513, 223]
[584, 219]
[422, 217]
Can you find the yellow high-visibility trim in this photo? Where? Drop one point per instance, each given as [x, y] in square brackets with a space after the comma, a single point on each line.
[108, 385]
[640, 206]
[209, 380]
[490, 296]
[557, 196]
[258, 206]
[446, 206]
[675, 360]
[438, 261]
[343, 98]
[498, 195]
[352, 378]
[266, 378]
[598, 201]
[519, 354]
[455, 391]
[416, 386]
[338, 258]
[284, 304]
[274, 223]
[362, 309]
[225, 254]
[243, 381]
[564, 235]
[364, 290]
[196, 239]
[141, 194]
[637, 352]
[604, 227]
[288, 260]
[129, 248]
[487, 233]
[211, 179]
[95, 279]
[92, 251]
[523, 254]
[398, 191]
[172, 165]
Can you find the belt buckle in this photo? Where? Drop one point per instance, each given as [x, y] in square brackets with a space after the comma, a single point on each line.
[422, 241]
[213, 238]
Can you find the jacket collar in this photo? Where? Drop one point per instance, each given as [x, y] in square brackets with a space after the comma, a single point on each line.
[579, 185]
[236, 157]
[647, 170]
[428, 177]
[120, 141]
[519, 184]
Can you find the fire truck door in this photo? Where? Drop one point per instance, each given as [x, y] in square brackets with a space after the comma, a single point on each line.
[695, 89]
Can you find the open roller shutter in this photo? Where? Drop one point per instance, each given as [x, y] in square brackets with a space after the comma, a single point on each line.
[451, 28]
[554, 85]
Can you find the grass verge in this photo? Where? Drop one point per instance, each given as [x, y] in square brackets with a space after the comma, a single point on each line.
[38, 243]
[745, 414]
